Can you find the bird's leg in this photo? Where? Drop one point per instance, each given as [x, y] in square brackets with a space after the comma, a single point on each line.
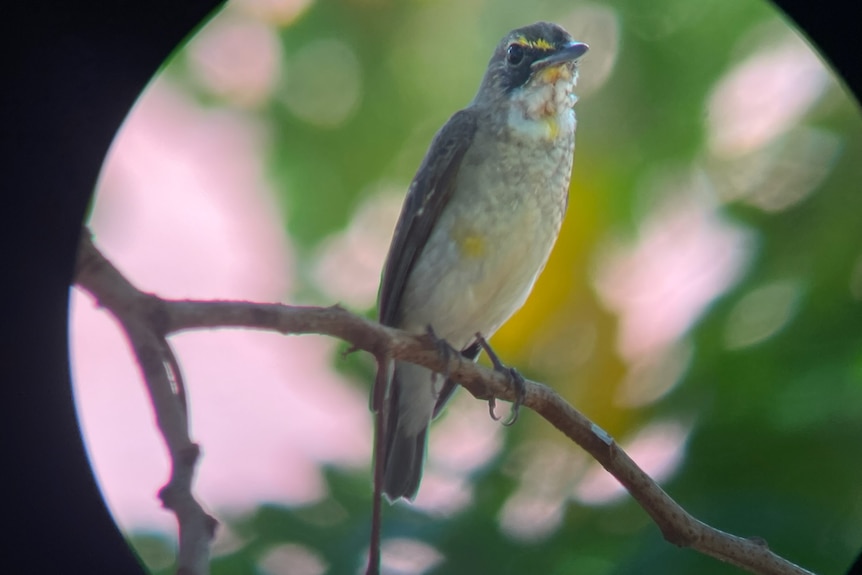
[515, 377]
[444, 349]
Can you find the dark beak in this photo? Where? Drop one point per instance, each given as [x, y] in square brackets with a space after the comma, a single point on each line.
[572, 52]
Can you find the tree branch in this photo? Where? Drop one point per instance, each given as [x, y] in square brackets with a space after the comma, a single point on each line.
[134, 311]
[145, 316]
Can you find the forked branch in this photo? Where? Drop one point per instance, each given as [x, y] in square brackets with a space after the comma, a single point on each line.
[148, 319]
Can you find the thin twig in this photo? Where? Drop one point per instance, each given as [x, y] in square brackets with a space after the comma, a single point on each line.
[677, 526]
[163, 380]
[378, 394]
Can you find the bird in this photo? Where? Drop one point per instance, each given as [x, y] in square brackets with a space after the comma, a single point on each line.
[477, 227]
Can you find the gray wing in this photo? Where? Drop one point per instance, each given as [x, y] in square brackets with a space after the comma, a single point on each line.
[428, 195]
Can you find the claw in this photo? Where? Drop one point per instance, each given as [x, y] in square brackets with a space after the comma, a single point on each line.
[492, 406]
[520, 385]
[515, 378]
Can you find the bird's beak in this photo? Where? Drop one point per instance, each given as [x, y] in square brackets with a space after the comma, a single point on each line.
[570, 53]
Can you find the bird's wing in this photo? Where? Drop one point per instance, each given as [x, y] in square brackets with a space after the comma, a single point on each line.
[428, 195]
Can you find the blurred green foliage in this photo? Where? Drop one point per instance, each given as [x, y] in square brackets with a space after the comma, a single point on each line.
[776, 444]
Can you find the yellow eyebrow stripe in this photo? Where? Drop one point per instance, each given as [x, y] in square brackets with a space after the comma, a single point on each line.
[540, 44]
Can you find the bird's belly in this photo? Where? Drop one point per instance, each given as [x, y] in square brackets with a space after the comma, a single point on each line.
[475, 274]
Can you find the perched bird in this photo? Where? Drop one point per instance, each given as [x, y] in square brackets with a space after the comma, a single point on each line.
[477, 225]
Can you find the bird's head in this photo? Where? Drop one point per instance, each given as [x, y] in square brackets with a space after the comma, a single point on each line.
[535, 66]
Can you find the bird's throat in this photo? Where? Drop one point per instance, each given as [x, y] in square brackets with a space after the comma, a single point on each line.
[543, 108]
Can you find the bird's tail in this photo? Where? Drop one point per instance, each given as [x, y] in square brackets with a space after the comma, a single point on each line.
[410, 405]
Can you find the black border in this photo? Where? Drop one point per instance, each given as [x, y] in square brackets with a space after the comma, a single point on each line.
[76, 69]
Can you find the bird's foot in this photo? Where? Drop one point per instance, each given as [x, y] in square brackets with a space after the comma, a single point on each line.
[444, 350]
[515, 378]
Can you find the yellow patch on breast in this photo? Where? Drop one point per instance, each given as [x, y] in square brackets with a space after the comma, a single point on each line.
[553, 127]
[470, 243]
[472, 246]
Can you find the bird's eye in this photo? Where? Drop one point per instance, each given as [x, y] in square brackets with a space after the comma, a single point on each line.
[515, 54]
